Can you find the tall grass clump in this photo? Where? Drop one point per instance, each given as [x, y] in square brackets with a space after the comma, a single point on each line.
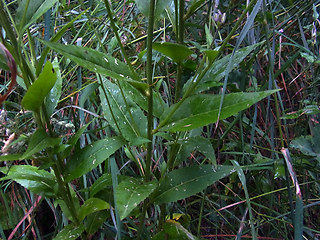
[169, 119]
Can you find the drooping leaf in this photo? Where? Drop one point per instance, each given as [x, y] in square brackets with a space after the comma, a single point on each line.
[92, 205]
[144, 6]
[98, 62]
[200, 110]
[37, 181]
[129, 118]
[130, 192]
[35, 9]
[39, 141]
[57, 36]
[91, 156]
[174, 230]
[40, 88]
[55, 93]
[177, 52]
[185, 182]
[197, 143]
[304, 144]
[70, 232]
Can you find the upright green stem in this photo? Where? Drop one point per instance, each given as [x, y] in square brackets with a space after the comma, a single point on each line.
[150, 83]
[150, 111]
[180, 28]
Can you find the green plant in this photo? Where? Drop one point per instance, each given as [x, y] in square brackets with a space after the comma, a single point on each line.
[127, 109]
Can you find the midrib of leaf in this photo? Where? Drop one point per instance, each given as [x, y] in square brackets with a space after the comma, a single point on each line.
[212, 112]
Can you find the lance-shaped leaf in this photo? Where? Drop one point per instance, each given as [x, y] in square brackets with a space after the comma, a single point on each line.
[130, 192]
[39, 141]
[200, 110]
[98, 62]
[185, 182]
[102, 182]
[37, 181]
[219, 67]
[91, 156]
[177, 52]
[92, 205]
[126, 115]
[40, 88]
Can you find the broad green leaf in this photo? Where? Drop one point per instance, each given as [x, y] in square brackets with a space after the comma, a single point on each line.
[39, 141]
[40, 88]
[92, 205]
[35, 9]
[185, 182]
[130, 192]
[197, 143]
[144, 6]
[37, 181]
[95, 220]
[177, 52]
[200, 110]
[129, 118]
[55, 92]
[91, 156]
[102, 182]
[57, 36]
[173, 230]
[219, 67]
[159, 105]
[98, 62]
[70, 232]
